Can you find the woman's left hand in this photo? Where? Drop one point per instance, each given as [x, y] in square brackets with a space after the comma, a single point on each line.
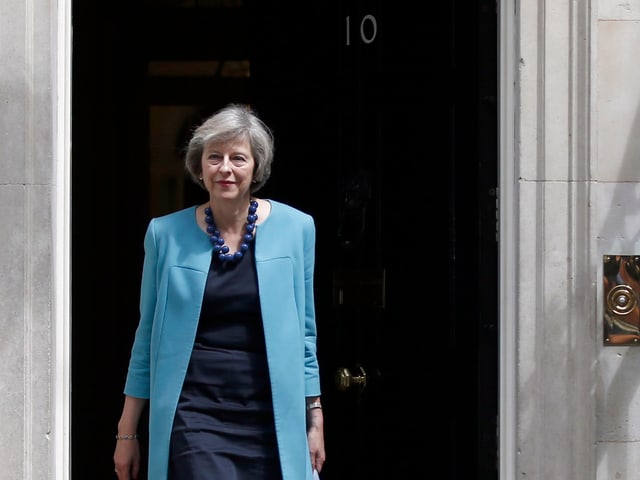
[315, 435]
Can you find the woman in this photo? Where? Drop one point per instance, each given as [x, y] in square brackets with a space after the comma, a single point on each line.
[225, 349]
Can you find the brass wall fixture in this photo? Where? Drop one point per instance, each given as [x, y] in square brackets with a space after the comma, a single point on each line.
[621, 290]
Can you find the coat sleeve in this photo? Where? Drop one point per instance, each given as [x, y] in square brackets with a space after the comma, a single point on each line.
[139, 373]
[312, 377]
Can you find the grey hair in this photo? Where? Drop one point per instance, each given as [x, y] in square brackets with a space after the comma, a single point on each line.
[230, 123]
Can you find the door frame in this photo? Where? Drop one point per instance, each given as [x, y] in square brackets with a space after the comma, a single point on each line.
[61, 334]
[507, 242]
[61, 244]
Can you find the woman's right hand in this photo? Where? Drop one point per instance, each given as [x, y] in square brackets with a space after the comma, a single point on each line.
[126, 459]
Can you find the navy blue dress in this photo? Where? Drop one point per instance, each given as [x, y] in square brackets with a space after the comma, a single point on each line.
[224, 427]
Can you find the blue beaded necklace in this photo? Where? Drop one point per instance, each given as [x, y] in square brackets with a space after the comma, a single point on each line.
[218, 242]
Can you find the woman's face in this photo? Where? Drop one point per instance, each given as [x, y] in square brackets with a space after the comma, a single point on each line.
[227, 169]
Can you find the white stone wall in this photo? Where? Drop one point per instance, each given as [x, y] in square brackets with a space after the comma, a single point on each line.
[576, 186]
[26, 215]
[616, 167]
[553, 271]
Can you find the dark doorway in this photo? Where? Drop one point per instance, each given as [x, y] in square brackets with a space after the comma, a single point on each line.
[386, 132]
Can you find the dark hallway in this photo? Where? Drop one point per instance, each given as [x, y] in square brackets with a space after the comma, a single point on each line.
[386, 127]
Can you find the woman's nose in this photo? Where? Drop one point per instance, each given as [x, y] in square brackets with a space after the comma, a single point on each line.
[226, 164]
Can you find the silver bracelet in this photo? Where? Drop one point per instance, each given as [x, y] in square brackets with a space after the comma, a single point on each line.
[127, 436]
[313, 405]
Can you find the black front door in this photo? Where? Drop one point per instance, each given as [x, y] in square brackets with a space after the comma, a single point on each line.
[385, 124]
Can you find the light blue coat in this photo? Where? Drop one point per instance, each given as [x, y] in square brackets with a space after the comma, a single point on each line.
[177, 258]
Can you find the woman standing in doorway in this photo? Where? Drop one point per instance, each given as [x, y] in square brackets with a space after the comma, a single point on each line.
[225, 349]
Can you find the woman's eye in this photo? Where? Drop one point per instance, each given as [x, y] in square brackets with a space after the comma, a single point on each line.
[238, 161]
